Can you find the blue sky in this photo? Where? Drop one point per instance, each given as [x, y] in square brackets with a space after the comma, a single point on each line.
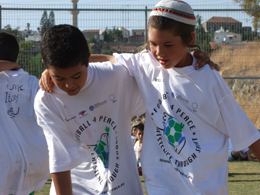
[142, 2]
[15, 19]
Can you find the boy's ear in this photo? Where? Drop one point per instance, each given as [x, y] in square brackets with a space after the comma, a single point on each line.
[192, 38]
[42, 61]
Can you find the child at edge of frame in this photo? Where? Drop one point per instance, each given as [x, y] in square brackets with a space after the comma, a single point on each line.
[24, 155]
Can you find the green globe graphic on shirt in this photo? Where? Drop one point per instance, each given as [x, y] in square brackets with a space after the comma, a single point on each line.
[173, 132]
[102, 148]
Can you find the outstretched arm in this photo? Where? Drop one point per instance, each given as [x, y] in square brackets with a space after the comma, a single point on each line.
[6, 65]
[202, 57]
[102, 58]
[46, 84]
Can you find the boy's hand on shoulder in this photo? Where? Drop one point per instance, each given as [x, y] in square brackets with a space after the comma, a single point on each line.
[203, 59]
[45, 82]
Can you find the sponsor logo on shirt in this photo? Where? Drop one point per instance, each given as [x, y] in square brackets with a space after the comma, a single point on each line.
[158, 80]
[97, 105]
[67, 120]
[83, 113]
[112, 98]
[194, 106]
[179, 97]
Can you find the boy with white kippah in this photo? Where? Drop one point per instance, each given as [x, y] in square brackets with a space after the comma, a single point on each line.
[190, 114]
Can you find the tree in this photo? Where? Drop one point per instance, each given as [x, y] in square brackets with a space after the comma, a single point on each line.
[91, 40]
[202, 38]
[114, 35]
[23, 58]
[35, 66]
[13, 31]
[46, 22]
[251, 4]
[51, 19]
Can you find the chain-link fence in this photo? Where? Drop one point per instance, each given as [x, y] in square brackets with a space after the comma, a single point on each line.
[225, 32]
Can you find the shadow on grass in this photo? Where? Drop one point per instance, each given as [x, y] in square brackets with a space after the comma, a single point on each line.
[233, 174]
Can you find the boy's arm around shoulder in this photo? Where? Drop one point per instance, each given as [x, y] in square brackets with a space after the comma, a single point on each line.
[255, 148]
[102, 58]
[7, 65]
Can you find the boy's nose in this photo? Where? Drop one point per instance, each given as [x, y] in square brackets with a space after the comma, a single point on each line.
[159, 51]
[69, 85]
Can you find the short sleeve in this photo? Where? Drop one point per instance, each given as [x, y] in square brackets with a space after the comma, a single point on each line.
[232, 120]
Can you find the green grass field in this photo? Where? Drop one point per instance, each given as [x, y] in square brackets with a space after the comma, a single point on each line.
[243, 179]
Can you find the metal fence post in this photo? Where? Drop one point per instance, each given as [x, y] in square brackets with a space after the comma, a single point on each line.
[0, 18]
[145, 12]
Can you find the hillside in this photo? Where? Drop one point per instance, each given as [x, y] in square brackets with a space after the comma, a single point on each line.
[242, 62]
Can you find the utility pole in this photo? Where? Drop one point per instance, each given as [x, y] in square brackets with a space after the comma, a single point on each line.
[74, 14]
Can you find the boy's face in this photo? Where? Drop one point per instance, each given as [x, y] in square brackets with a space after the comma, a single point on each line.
[70, 80]
[168, 49]
[139, 135]
[134, 131]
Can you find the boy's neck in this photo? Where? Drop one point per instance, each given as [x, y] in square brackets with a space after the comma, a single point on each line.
[186, 61]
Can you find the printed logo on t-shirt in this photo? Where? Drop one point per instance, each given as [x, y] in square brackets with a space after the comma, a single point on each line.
[158, 80]
[83, 113]
[173, 132]
[112, 98]
[102, 147]
[97, 105]
[176, 135]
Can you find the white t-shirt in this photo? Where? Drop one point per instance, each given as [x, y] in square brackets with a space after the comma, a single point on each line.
[23, 149]
[190, 115]
[136, 148]
[89, 133]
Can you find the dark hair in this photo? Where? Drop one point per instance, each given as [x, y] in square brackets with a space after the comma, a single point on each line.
[139, 127]
[64, 46]
[9, 47]
[177, 28]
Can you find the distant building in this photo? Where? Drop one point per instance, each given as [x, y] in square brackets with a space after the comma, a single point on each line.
[227, 23]
[31, 35]
[138, 35]
[137, 38]
[91, 33]
[138, 32]
[225, 37]
[126, 33]
[247, 28]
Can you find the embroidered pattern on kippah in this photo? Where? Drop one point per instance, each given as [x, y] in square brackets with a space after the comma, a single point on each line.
[176, 12]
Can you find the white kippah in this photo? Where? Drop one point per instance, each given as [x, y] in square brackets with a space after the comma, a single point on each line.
[176, 10]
